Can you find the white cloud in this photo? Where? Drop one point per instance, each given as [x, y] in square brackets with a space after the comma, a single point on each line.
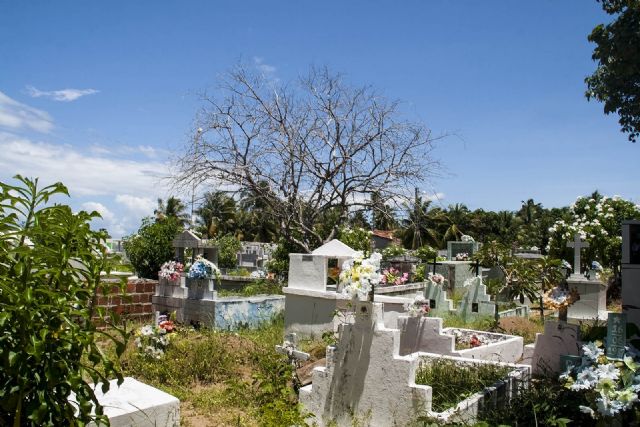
[63, 95]
[85, 174]
[141, 206]
[434, 197]
[262, 66]
[15, 116]
[106, 214]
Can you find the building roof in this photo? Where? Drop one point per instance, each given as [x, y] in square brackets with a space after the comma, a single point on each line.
[384, 234]
[334, 249]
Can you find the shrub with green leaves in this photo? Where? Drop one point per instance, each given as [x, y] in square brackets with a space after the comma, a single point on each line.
[228, 247]
[50, 265]
[148, 249]
[356, 238]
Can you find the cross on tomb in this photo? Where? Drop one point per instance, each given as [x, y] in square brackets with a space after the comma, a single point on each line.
[434, 263]
[577, 245]
[288, 348]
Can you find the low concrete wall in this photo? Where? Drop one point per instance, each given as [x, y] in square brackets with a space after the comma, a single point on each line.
[222, 313]
[426, 334]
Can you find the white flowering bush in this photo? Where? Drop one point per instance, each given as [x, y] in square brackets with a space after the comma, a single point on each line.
[152, 341]
[597, 220]
[611, 387]
[356, 238]
[359, 274]
[202, 268]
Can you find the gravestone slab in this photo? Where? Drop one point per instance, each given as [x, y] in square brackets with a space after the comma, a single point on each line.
[438, 301]
[558, 339]
[456, 273]
[616, 335]
[476, 302]
[307, 272]
[593, 298]
[455, 248]
[138, 404]
[631, 271]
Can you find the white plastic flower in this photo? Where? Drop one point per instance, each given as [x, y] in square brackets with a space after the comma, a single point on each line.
[608, 371]
[592, 351]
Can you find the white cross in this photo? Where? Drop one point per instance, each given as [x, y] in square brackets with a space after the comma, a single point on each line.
[577, 244]
[288, 348]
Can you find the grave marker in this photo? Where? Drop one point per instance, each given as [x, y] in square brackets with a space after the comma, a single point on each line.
[568, 361]
[577, 245]
[616, 335]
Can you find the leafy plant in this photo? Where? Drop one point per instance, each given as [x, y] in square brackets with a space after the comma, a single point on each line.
[151, 246]
[425, 253]
[50, 267]
[452, 382]
[356, 238]
[228, 247]
[393, 251]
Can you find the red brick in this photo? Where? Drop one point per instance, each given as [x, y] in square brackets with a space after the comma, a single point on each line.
[131, 287]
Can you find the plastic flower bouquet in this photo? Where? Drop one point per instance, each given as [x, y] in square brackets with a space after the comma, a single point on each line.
[462, 256]
[392, 276]
[610, 387]
[203, 269]
[359, 274]
[418, 308]
[558, 298]
[152, 341]
[171, 270]
[437, 279]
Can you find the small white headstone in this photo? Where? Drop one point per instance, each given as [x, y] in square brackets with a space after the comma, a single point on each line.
[138, 404]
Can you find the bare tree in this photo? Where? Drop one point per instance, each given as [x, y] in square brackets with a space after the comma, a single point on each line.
[311, 149]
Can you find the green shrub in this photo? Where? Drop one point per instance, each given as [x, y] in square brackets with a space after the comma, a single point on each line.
[151, 246]
[425, 253]
[393, 251]
[50, 265]
[356, 238]
[228, 247]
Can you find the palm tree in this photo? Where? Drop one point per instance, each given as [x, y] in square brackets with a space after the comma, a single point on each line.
[455, 219]
[255, 217]
[383, 215]
[173, 208]
[217, 214]
[419, 226]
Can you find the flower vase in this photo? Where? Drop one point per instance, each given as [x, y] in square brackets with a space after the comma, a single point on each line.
[200, 289]
[562, 313]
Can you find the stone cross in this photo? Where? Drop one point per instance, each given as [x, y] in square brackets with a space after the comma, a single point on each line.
[288, 348]
[433, 265]
[577, 245]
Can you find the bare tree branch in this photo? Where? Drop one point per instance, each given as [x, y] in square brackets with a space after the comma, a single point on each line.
[306, 150]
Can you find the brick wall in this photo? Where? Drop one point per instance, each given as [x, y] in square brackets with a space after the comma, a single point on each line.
[135, 304]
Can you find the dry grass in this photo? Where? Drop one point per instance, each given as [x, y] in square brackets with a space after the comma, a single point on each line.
[526, 328]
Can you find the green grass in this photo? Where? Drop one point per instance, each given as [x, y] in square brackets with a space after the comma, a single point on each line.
[225, 377]
[259, 287]
[484, 323]
[453, 382]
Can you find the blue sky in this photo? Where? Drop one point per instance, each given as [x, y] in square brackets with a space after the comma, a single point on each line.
[100, 95]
